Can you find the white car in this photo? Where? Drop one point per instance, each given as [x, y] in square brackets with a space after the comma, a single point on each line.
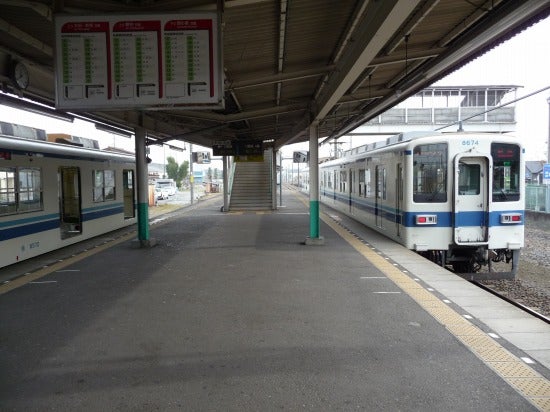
[161, 193]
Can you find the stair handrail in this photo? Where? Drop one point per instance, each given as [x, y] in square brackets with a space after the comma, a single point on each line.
[230, 181]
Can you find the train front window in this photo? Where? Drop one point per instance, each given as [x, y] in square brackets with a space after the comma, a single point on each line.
[430, 173]
[506, 172]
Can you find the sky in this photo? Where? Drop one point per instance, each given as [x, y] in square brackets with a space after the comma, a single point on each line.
[523, 61]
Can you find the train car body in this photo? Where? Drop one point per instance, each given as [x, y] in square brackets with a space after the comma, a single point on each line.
[456, 198]
[53, 195]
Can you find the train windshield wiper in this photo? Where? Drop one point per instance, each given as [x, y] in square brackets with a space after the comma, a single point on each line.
[436, 192]
[502, 194]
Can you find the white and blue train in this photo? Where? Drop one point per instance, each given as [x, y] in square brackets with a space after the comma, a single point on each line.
[53, 195]
[456, 198]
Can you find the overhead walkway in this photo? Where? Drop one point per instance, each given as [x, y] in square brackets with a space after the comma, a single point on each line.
[232, 312]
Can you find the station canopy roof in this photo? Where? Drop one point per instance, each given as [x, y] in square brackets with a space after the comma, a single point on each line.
[287, 64]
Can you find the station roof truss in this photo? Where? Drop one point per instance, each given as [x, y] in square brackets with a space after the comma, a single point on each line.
[287, 64]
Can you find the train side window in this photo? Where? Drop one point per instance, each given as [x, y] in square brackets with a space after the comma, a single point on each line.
[367, 183]
[29, 190]
[7, 191]
[506, 172]
[430, 173]
[362, 183]
[104, 185]
[381, 192]
[343, 181]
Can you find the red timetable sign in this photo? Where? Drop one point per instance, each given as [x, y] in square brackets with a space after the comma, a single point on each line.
[147, 62]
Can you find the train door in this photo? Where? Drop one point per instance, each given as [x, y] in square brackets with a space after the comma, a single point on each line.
[350, 189]
[335, 185]
[128, 186]
[399, 199]
[380, 195]
[471, 201]
[70, 202]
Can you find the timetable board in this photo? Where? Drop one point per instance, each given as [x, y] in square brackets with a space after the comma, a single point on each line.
[138, 61]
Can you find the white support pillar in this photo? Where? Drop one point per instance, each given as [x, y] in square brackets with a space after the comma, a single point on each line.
[225, 183]
[191, 176]
[314, 238]
[273, 178]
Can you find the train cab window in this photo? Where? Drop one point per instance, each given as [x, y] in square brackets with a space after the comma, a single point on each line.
[104, 185]
[506, 172]
[430, 173]
[7, 191]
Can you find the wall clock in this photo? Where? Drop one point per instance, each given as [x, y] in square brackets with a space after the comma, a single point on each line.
[20, 75]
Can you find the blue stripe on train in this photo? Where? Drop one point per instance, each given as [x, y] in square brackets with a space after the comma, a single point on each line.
[28, 229]
[97, 213]
[444, 219]
[29, 226]
[28, 220]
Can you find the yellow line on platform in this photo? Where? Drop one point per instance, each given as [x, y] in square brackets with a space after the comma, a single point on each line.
[529, 383]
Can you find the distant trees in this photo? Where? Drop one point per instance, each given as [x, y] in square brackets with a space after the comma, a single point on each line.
[213, 174]
[176, 171]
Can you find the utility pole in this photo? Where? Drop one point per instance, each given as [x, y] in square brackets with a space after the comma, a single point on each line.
[191, 176]
[548, 149]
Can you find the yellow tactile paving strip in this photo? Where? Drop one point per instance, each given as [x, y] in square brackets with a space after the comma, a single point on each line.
[529, 383]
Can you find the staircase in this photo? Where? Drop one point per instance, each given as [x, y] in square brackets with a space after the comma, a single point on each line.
[252, 185]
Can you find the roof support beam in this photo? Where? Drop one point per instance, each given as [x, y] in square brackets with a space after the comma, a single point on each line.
[280, 77]
[25, 37]
[39, 8]
[502, 18]
[381, 20]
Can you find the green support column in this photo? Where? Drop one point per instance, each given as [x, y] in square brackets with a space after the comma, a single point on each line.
[314, 238]
[143, 239]
[143, 219]
[313, 218]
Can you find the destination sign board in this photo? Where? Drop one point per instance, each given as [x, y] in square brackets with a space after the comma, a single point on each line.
[138, 61]
[237, 148]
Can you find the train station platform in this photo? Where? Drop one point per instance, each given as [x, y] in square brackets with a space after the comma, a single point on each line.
[233, 312]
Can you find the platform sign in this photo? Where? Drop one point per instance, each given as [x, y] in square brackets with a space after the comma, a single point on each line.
[138, 61]
[301, 156]
[238, 148]
[546, 174]
[201, 157]
[223, 148]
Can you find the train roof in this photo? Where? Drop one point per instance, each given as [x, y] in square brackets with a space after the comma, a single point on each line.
[30, 146]
[401, 139]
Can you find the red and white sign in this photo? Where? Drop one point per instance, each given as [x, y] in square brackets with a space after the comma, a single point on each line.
[148, 62]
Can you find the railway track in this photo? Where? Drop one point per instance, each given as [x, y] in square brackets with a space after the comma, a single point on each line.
[512, 301]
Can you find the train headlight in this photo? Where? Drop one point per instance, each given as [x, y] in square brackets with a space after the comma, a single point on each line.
[426, 220]
[510, 218]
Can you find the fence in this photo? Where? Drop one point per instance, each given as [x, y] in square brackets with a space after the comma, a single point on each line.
[537, 198]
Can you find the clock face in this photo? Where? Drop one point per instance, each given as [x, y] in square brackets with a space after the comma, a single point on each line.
[21, 75]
